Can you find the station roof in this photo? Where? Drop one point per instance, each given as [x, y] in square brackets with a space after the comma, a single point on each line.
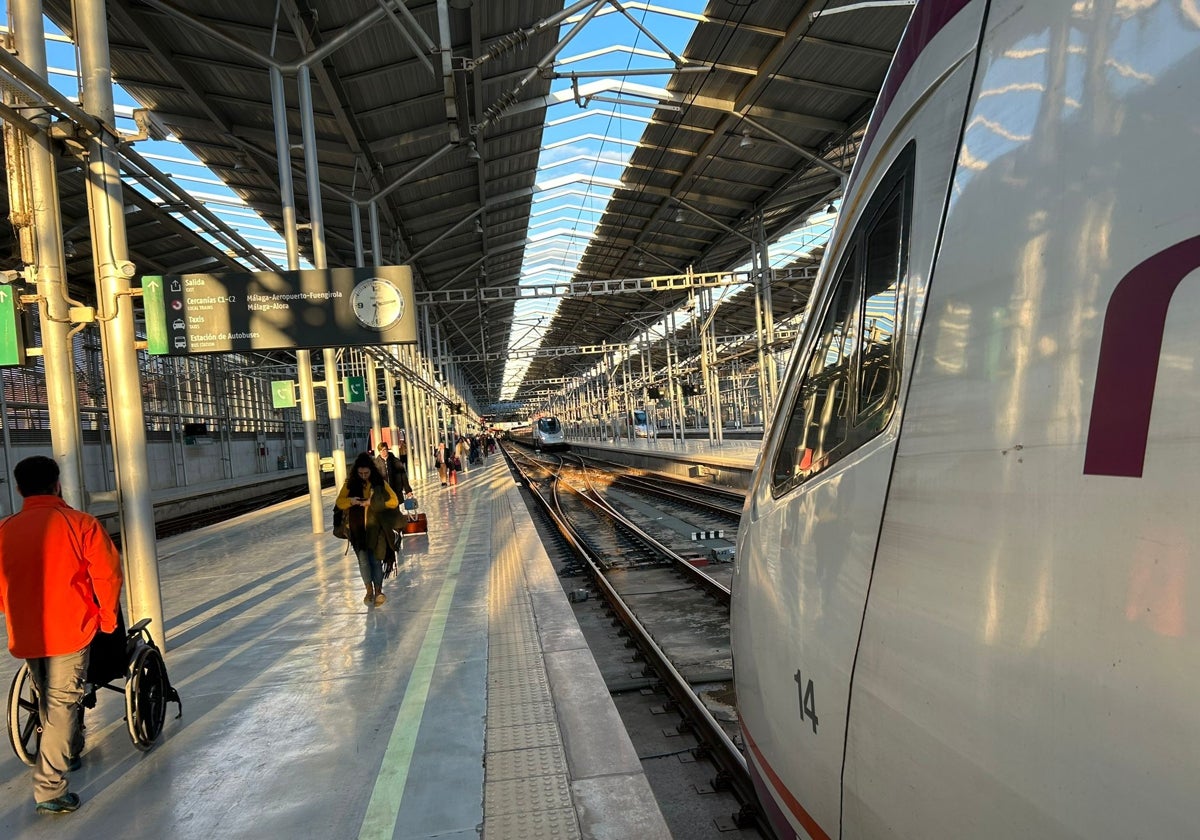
[436, 109]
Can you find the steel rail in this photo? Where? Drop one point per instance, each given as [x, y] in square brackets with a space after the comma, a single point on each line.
[642, 484]
[733, 773]
[705, 581]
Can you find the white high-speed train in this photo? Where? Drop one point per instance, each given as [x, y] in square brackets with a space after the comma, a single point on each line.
[542, 433]
[969, 560]
[634, 424]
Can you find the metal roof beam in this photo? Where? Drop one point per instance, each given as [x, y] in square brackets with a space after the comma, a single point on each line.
[582, 288]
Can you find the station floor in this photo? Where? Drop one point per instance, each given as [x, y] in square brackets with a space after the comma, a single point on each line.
[468, 705]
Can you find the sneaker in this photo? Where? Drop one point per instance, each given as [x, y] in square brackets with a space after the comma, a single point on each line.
[65, 804]
[368, 599]
[74, 763]
[379, 599]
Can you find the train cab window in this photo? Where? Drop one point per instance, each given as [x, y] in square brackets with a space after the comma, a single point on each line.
[850, 372]
[820, 418]
[880, 302]
[549, 425]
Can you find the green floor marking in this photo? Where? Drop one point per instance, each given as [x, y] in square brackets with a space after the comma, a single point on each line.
[383, 810]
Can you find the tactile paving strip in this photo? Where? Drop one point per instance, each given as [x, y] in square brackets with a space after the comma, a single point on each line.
[527, 791]
[521, 764]
[543, 825]
[522, 737]
[538, 793]
[524, 693]
[517, 714]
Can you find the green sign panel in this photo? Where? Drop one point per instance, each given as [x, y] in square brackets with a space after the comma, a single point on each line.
[12, 331]
[283, 393]
[156, 316]
[279, 310]
[356, 389]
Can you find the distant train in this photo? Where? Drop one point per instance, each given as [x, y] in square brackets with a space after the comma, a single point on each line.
[634, 424]
[966, 600]
[542, 433]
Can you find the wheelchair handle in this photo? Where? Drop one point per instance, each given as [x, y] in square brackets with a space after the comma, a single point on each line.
[138, 628]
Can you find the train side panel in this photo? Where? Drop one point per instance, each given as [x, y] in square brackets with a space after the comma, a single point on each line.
[805, 552]
[1028, 660]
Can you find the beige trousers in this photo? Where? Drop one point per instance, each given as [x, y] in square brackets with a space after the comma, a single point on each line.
[58, 683]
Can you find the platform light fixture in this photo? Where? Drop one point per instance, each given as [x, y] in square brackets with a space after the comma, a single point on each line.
[472, 151]
[747, 142]
[831, 209]
[478, 226]
[679, 215]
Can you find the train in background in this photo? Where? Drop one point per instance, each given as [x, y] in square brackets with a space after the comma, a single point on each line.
[543, 434]
[633, 424]
[966, 599]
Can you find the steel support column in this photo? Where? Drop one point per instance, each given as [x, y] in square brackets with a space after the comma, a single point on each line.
[46, 260]
[316, 220]
[110, 251]
[304, 372]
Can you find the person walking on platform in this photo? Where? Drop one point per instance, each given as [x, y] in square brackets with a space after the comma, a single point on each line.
[371, 506]
[461, 454]
[60, 584]
[393, 471]
[396, 475]
[441, 459]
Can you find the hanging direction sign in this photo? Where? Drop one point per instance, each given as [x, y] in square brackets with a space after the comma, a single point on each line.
[356, 389]
[279, 310]
[12, 344]
[283, 393]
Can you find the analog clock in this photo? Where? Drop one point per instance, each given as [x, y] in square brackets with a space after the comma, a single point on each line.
[377, 303]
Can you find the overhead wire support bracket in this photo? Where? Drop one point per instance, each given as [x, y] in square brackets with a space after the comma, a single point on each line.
[583, 100]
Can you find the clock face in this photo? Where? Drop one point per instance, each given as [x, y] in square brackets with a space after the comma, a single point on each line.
[377, 303]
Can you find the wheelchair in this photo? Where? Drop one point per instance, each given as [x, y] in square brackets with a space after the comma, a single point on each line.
[147, 690]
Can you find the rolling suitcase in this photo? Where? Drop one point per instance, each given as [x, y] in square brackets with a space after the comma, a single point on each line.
[420, 525]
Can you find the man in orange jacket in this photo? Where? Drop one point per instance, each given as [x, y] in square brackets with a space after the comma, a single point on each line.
[60, 583]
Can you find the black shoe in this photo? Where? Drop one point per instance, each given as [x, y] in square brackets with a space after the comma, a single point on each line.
[65, 804]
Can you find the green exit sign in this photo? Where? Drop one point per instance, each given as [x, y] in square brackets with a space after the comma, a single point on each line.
[12, 338]
[356, 389]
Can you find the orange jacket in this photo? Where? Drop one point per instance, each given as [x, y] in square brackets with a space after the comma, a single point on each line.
[60, 578]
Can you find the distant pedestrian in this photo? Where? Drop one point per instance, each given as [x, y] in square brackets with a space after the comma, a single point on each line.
[367, 500]
[60, 584]
[396, 475]
[441, 459]
[393, 471]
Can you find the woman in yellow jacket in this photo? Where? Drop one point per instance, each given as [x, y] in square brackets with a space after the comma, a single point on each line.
[370, 505]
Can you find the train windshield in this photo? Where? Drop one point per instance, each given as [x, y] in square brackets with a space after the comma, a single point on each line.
[639, 418]
[549, 425]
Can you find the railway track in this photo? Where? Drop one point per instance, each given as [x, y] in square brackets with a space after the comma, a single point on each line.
[676, 615]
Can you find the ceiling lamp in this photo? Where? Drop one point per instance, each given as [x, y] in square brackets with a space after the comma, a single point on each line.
[679, 215]
[831, 209]
[472, 151]
[747, 141]
[478, 226]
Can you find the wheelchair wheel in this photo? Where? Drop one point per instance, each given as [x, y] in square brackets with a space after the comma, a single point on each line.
[24, 724]
[146, 697]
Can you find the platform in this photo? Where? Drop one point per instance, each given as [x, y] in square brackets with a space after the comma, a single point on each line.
[468, 705]
[728, 464]
[171, 502]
